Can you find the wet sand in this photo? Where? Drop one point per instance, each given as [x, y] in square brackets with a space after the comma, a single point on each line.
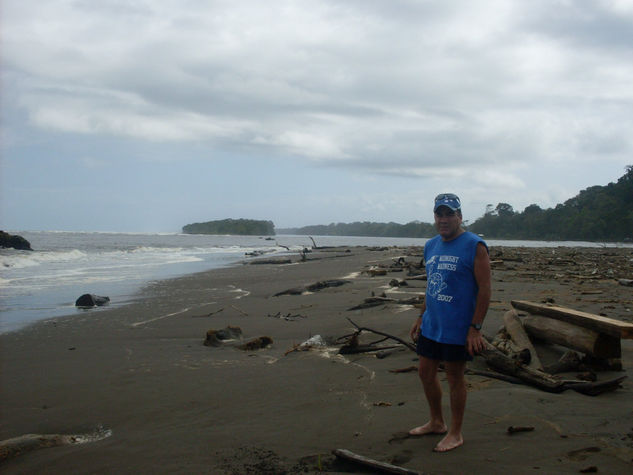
[169, 404]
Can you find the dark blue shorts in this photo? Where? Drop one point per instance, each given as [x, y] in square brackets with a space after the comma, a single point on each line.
[442, 351]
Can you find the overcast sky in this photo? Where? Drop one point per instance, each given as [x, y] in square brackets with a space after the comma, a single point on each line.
[146, 115]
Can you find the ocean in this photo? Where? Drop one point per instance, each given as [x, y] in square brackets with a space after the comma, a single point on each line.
[45, 283]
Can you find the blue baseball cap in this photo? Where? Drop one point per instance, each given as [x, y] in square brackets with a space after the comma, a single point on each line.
[449, 200]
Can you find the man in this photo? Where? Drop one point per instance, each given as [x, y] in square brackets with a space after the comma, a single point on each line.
[449, 326]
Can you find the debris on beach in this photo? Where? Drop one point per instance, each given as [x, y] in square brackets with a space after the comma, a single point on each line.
[516, 360]
[313, 287]
[377, 301]
[289, 317]
[280, 260]
[595, 336]
[374, 465]
[219, 337]
[515, 429]
[565, 263]
[314, 342]
[376, 271]
[257, 343]
[352, 341]
[233, 335]
[10, 448]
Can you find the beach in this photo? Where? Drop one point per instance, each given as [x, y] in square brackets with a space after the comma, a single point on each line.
[140, 380]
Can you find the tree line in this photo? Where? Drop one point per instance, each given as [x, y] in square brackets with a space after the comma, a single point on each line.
[247, 227]
[414, 229]
[599, 213]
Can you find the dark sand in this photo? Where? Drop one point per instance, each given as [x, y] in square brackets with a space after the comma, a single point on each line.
[174, 405]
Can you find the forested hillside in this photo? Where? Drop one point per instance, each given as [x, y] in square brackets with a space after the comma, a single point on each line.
[599, 213]
[248, 227]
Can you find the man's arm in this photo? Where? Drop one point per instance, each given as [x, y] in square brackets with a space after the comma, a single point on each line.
[474, 340]
[415, 329]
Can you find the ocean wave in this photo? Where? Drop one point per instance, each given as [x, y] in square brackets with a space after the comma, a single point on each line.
[23, 259]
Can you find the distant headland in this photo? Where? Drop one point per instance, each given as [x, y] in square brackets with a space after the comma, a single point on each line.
[244, 227]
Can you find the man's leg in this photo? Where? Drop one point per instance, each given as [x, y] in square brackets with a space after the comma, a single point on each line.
[457, 384]
[433, 392]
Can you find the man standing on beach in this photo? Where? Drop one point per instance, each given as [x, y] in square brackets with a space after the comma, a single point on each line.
[449, 326]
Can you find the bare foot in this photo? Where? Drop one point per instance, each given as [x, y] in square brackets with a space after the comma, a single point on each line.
[449, 442]
[429, 428]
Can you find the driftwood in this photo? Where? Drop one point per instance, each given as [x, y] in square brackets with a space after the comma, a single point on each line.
[595, 388]
[208, 314]
[503, 342]
[372, 302]
[399, 340]
[513, 371]
[493, 374]
[519, 336]
[256, 343]
[313, 287]
[377, 301]
[376, 271]
[539, 379]
[382, 467]
[597, 323]
[503, 364]
[408, 369]
[515, 429]
[596, 344]
[279, 260]
[570, 361]
[10, 448]
[289, 317]
[326, 284]
[352, 350]
[384, 353]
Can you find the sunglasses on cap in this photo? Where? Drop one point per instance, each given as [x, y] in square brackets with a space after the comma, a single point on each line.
[447, 196]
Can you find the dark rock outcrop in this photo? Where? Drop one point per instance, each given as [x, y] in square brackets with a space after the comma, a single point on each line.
[14, 241]
[91, 300]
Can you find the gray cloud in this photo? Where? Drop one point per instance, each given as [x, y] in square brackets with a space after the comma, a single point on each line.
[465, 90]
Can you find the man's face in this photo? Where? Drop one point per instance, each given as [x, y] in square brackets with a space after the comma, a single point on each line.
[448, 222]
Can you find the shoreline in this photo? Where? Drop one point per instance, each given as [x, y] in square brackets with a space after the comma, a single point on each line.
[173, 404]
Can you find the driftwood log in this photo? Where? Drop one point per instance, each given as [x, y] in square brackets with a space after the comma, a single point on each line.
[518, 334]
[539, 379]
[395, 338]
[377, 301]
[512, 370]
[591, 321]
[375, 465]
[10, 448]
[596, 344]
[503, 364]
[570, 361]
[313, 287]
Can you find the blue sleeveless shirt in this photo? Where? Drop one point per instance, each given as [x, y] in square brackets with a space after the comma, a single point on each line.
[451, 290]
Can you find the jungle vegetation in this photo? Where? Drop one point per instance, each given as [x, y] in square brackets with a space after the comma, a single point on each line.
[599, 213]
[249, 227]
